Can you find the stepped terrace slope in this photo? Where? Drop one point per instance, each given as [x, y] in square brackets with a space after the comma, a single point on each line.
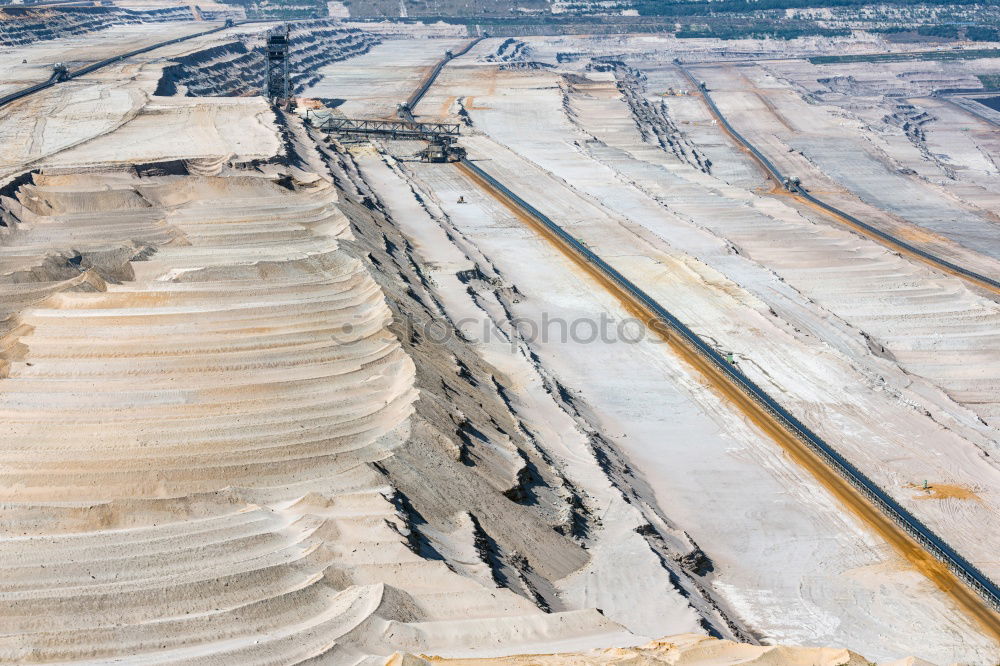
[218, 452]
[194, 439]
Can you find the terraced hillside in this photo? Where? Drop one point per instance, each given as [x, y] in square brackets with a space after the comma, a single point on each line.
[20, 26]
[202, 402]
[234, 69]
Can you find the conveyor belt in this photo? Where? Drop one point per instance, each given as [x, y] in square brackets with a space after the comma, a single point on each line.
[87, 69]
[871, 231]
[914, 528]
[407, 110]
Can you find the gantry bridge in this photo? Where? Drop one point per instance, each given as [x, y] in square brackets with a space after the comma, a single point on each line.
[395, 129]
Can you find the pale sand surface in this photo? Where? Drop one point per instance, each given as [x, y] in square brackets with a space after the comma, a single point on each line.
[80, 50]
[202, 402]
[188, 454]
[81, 113]
[226, 443]
[684, 650]
[807, 139]
[398, 65]
[190, 436]
[721, 256]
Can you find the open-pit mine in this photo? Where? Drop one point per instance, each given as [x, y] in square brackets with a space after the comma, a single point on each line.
[368, 340]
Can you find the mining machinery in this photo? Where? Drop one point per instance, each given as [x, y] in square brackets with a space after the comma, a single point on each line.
[442, 148]
[278, 86]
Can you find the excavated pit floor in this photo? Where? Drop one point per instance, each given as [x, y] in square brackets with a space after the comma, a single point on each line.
[234, 436]
[896, 371]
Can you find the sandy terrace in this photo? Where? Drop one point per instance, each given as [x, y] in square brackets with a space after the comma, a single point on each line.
[69, 124]
[602, 180]
[837, 157]
[202, 403]
[188, 458]
[399, 64]
[25, 65]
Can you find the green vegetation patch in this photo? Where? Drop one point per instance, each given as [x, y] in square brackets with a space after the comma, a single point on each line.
[990, 81]
[701, 8]
[978, 33]
[947, 31]
[759, 30]
[283, 9]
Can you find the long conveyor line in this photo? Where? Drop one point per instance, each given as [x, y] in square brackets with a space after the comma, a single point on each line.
[87, 69]
[406, 111]
[667, 323]
[797, 190]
